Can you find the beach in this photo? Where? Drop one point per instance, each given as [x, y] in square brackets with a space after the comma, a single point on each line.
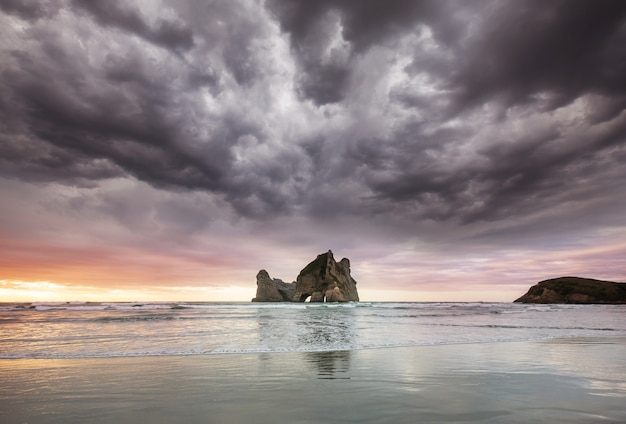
[274, 211]
[573, 380]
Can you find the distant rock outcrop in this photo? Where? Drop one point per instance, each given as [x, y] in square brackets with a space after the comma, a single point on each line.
[273, 290]
[575, 290]
[322, 280]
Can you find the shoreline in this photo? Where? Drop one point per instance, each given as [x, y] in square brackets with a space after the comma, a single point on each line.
[295, 352]
[568, 380]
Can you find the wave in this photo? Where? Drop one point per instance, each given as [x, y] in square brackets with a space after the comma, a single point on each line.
[93, 306]
[131, 306]
[258, 350]
[109, 329]
[496, 308]
[519, 327]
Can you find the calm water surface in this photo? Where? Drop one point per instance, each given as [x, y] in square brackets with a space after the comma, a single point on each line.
[302, 363]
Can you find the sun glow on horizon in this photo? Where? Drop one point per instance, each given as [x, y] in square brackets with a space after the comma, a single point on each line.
[30, 291]
[46, 291]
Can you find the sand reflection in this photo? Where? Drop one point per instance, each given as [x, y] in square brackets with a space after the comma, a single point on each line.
[331, 365]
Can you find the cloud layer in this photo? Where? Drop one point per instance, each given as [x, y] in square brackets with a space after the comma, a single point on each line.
[449, 130]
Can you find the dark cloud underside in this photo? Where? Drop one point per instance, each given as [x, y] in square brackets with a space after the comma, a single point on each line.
[411, 111]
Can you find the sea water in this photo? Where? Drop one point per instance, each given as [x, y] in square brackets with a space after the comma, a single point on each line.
[87, 330]
[312, 363]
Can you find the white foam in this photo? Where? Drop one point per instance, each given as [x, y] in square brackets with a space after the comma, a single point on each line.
[200, 328]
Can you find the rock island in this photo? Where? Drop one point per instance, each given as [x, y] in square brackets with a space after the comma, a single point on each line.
[322, 280]
[575, 290]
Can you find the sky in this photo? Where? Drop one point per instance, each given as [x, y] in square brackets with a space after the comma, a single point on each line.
[452, 150]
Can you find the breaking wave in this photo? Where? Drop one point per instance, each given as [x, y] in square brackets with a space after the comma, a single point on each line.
[108, 329]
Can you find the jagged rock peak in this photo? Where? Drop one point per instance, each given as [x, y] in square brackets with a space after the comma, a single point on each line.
[272, 289]
[322, 280]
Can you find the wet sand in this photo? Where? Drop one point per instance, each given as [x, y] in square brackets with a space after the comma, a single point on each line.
[566, 381]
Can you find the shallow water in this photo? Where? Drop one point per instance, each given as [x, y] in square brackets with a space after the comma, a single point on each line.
[578, 381]
[124, 329]
[242, 363]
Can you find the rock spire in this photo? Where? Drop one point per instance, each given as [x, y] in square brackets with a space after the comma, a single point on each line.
[322, 280]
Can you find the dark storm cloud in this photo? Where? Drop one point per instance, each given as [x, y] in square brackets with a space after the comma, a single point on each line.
[170, 35]
[128, 126]
[405, 110]
[562, 47]
[35, 161]
[510, 174]
[364, 23]
[361, 25]
[516, 60]
[515, 51]
[514, 176]
[28, 9]
[74, 115]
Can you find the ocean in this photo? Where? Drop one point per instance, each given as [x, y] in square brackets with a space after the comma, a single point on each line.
[312, 363]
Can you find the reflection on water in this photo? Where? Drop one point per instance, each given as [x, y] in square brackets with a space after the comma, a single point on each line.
[328, 328]
[318, 328]
[331, 365]
[87, 330]
[473, 383]
[322, 332]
